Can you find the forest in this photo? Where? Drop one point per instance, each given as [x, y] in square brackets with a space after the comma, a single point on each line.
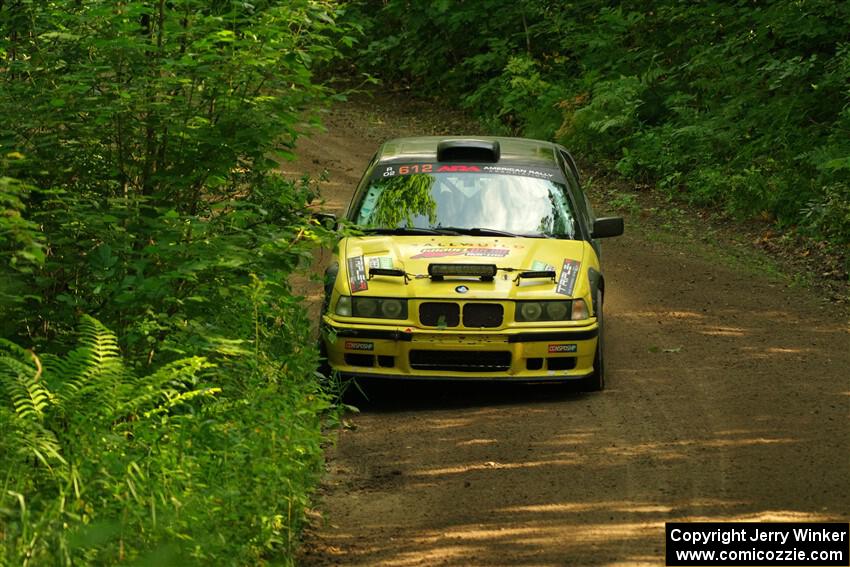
[159, 393]
[735, 105]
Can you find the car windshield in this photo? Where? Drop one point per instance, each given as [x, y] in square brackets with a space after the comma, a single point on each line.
[467, 203]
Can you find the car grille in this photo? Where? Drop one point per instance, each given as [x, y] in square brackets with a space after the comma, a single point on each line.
[482, 315]
[460, 361]
[433, 314]
[446, 314]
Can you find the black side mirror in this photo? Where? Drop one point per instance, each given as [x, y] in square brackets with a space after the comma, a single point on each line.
[327, 220]
[607, 226]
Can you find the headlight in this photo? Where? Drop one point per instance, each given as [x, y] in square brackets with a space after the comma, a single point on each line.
[343, 306]
[378, 308]
[393, 309]
[557, 310]
[530, 311]
[365, 307]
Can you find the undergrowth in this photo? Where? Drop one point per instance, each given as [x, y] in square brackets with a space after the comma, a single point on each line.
[197, 462]
[740, 107]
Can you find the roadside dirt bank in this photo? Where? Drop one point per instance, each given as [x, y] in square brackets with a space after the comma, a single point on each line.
[728, 399]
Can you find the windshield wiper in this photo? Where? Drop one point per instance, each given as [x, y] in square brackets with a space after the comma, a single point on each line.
[408, 230]
[490, 232]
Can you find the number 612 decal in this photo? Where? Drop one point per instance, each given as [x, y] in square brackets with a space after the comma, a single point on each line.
[408, 169]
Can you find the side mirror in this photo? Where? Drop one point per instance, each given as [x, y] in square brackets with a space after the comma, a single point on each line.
[327, 220]
[607, 226]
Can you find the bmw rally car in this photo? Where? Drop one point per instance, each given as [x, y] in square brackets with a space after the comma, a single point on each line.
[478, 259]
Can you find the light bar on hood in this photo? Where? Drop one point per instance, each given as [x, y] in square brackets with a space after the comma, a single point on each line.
[484, 271]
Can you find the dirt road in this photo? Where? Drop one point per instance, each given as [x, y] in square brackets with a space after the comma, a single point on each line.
[728, 399]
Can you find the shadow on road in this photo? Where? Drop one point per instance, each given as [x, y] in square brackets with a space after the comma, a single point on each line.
[386, 396]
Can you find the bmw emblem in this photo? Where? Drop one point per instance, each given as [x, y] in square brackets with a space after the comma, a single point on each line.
[461, 289]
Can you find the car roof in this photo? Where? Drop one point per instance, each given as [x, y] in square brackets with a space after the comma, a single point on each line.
[518, 151]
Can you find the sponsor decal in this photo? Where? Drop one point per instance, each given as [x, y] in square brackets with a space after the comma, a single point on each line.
[417, 168]
[357, 274]
[524, 171]
[384, 262]
[562, 348]
[538, 266]
[468, 252]
[456, 168]
[354, 345]
[567, 281]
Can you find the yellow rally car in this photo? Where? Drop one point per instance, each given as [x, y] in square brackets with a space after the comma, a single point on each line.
[478, 260]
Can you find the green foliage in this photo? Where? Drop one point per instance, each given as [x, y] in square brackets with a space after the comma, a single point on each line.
[403, 197]
[186, 462]
[600, 126]
[153, 134]
[140, 148]
[72, 427]
[829, 215]
[21, 244]
[741, 105]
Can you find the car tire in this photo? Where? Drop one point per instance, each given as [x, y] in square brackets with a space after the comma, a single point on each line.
[596, 381]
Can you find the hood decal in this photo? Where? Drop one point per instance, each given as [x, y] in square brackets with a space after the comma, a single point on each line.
[457, 251]
[382, 262]
[357, 279]
[569, 273]
[538, 266]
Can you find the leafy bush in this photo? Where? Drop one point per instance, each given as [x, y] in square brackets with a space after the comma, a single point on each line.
[151, 140]
[601, 126]
[735, 104]
[140, 145]
[829, 216]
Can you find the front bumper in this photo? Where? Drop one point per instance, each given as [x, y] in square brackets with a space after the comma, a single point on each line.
[384, 351]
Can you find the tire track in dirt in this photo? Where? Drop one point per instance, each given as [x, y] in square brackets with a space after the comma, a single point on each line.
[745, 418]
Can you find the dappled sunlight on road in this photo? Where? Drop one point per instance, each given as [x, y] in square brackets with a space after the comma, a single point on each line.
[571, 507]
[494, 465]
[727, 399]
[476, 442]
[724, 331]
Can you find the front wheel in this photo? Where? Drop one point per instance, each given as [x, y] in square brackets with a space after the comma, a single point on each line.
[596, 381]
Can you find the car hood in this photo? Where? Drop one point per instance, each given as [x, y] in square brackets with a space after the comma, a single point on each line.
[413, 254]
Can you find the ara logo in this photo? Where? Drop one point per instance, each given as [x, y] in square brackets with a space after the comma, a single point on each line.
[459, 168]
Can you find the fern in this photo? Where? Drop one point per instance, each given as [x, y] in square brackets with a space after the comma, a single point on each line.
[158, 390]
[34, 440]
[175, 399]
[80, 423]
[94, 369]
[31, 400]
[22, 383]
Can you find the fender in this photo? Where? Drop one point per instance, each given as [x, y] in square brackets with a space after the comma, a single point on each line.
[597, 282]
[331, 273]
